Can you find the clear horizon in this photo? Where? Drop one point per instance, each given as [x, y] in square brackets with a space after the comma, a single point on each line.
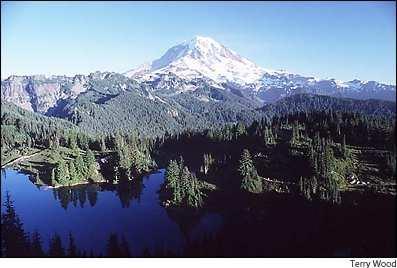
[342, 40]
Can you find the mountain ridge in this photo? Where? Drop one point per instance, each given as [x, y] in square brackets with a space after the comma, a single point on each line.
[204, 58]
[199, 68]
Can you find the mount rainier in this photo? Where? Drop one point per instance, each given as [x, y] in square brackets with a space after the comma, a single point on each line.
[200, 70]
[204, 59]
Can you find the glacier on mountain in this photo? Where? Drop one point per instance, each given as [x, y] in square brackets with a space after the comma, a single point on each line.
[203, 61]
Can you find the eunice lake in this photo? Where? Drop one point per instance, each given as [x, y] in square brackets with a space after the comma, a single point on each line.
[232, 223]
[92, 212]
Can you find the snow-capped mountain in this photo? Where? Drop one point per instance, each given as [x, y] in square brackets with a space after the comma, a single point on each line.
[200, 70]
[203, 59]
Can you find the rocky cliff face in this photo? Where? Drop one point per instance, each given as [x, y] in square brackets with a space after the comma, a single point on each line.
[196, 68]
[39, 93]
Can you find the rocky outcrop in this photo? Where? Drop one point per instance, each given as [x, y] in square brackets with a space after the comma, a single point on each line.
[39, 93]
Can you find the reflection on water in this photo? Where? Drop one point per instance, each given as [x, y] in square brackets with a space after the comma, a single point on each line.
[127, 192]
[269, 225]
[93, 212]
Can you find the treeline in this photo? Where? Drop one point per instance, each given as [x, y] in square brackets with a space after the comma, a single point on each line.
[128, 154]
[309, 151]
[299, 128]
[115, 103]
[317, 103]
[21, 128]
[122, 157]
[132, 156]
[276, 144]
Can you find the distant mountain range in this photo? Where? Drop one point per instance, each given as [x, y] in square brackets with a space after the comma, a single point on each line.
[190, 65]
[196, 83]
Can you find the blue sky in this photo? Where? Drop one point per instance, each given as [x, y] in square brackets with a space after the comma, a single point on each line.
[342, 40]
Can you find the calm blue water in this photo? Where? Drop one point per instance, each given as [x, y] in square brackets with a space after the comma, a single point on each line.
[91, 213]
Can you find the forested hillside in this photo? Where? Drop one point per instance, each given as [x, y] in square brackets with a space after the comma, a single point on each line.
[155, 114]
[321, 151]
[21, 128]
[311, 102]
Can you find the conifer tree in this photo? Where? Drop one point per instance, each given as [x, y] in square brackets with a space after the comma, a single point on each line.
[194, 193]
[72, 142]
[184, 182]
[102, 144]
[140, 162]
[172, 174]
[250, 179]
[90, 164]
[83, 141]
[15, 242]
[80, 167]
[72, 172]
[208, 161]
[62, 172]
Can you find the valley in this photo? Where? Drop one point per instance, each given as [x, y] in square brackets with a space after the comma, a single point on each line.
[208, 149]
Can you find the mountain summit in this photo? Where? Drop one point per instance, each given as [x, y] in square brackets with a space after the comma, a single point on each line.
[203, 61]
[201, 57]
[205, 71]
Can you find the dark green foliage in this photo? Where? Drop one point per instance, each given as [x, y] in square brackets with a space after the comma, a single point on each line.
[14, 240]
[80, 166]
[250, 179]
[268, 136]
[172, 174]
[90, 164]
[316, 103]
[72, 141]
[185, 188]
[73, 171]
[132, 156]
[313, 145]
[313, 140]
[194, 192]
[62, 175]
[208, 162]
[140, 162]
[324, 182]
[83, 141]
[114, 102]
[73, 177]
[21, 128]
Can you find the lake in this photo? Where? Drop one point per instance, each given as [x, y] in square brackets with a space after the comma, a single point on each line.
[92, 212]
[232, 223]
